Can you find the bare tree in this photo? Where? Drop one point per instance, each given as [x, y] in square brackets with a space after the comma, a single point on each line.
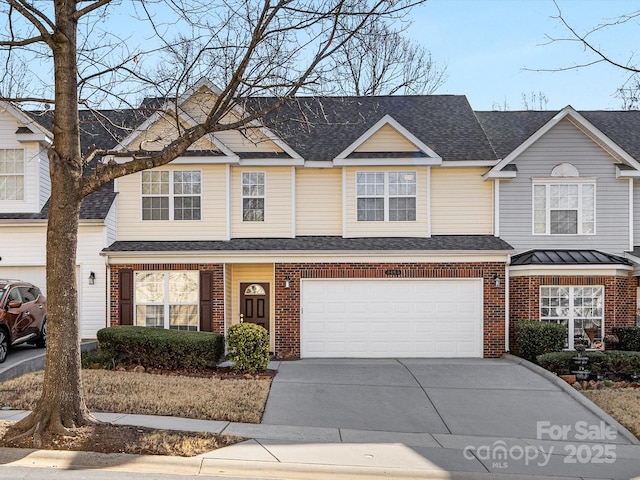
[626, 62]
[534, 101]
[247, 47]
[381, 61]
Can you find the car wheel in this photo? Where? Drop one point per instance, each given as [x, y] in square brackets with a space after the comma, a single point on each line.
[4, 345]
[41, 342]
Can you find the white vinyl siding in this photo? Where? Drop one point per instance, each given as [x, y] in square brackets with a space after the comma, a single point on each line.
[278, 208]
[387, 139]
[461, 202]
[213, 220]
[566, 143]
[319, 201]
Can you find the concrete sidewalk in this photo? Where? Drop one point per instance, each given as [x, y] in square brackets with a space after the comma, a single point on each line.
[276, 451]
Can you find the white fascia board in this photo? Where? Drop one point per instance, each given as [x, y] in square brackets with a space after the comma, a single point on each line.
[568, 270]
[31, 222]
[34, 137]
[318, 164]
[632, 257]
[627, 173]
[580, 122]
[469, 163]
[387, 119]
[187, 160]
[383, 162]
[271, 162]
[491, 175]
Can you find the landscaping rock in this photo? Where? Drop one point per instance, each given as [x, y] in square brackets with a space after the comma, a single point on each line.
[570, 379]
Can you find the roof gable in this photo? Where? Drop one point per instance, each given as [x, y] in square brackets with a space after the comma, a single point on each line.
[577, 120]
[420, 154]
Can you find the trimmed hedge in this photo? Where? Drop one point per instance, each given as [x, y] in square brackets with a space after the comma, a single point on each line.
[629, 338]
[537, 338]
[160, 348]
[613, 361]
[248, 347]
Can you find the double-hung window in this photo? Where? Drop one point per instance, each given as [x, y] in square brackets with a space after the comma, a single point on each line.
[167, 300]
[12, 174]
[172, 195]
[564, 208]
[253, 196]
[386, 196]
[579, 308]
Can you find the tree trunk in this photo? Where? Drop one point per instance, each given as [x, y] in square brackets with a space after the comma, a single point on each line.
[62, 403]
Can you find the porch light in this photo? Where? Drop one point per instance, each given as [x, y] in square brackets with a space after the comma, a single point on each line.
[287, 282]
[496, 280]
[92, 278]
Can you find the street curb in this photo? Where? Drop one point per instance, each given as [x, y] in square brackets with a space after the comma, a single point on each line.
[573, 393]
[36, 363]
[204, 467]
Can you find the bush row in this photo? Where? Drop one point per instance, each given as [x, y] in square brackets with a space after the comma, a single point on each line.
[160, 348]
[613, 361]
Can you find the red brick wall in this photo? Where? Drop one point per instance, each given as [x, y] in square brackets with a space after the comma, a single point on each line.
[619, 298]
[287, 309]
[217, 320]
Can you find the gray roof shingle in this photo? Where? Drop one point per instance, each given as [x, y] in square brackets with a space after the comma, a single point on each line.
[319, 243]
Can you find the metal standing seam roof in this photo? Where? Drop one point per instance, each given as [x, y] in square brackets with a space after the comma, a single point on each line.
[568, 257]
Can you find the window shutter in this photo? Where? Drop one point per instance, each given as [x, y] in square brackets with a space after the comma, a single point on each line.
[126, 297]
[206, 301]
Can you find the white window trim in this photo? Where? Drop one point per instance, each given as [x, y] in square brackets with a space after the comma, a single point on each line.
[23, 175]
[547, 182]
[171, 195]
[571, 318]
[166, 304]
[386, 196]
[263, 197]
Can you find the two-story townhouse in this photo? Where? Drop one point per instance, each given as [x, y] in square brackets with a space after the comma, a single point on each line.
[345, 226]
[24, 195]
[566, 198]
[367, 227]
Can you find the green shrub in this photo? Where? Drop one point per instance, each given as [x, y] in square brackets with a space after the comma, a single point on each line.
[159, 348]
[91, 357]
[248, 347]
[562, 362]
[537, 338]
[614, 361]
[629, 338]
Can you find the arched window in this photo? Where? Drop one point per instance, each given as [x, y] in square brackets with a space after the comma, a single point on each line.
[254, 289]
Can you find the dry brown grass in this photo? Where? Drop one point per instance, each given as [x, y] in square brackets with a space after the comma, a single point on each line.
[623, 404]
[234, 400]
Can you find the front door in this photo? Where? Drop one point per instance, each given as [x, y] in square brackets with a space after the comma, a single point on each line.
[254, 303]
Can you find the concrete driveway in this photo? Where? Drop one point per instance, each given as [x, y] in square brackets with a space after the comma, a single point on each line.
[497, 398]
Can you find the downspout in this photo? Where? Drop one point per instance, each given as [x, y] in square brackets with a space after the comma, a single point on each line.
[506, 304]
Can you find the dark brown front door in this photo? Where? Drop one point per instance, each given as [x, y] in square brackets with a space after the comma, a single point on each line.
[254, 303]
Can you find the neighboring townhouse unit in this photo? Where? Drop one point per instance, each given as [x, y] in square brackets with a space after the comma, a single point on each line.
[399, 226]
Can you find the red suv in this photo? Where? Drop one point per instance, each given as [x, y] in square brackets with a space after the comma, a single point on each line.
[23, 315]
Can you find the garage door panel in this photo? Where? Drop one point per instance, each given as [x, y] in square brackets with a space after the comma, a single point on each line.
[392, 318]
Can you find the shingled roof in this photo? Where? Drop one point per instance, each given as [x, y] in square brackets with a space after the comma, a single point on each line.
[508, 130]
[319, 243]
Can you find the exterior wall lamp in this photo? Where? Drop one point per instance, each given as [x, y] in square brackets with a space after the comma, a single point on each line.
[287, 282]
[92, 278]
[496, 280]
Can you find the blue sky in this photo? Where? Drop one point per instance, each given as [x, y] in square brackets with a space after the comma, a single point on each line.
[488, 45]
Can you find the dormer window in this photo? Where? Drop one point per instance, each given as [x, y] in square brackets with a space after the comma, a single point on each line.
[564, 203]
[12, 174]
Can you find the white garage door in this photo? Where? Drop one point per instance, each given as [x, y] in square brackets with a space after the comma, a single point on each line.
[391, 318]
[35, 275]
